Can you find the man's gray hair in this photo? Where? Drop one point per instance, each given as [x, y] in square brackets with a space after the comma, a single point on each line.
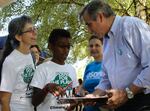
[96, 6]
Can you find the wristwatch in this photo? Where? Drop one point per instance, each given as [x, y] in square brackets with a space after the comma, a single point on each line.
[130, 94]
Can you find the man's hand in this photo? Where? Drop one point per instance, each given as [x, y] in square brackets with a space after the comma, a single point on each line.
[116, 98]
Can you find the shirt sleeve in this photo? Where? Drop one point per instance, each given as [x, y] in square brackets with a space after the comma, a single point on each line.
[9, 76]
[104, 83]
[139, 40]
[39, 78]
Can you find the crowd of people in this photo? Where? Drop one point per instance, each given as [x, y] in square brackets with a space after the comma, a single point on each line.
[120, 70]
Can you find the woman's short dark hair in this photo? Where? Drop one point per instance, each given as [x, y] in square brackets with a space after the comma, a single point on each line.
[57, 34]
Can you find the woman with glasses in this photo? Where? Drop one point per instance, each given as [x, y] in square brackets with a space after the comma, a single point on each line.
[17, 66]
[92, 71]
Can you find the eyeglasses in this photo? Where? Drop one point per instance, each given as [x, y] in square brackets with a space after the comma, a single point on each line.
[30, 30]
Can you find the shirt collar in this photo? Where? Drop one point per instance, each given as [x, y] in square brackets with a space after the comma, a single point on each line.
[114, 26]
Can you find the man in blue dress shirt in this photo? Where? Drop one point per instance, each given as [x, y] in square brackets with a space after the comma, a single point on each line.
[126, 57]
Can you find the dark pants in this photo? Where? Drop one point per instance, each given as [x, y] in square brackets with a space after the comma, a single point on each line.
[137, 103]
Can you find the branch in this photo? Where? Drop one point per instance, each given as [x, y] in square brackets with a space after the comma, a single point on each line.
[126, 11]
[148, 8]
[122, 7]
[141, 3]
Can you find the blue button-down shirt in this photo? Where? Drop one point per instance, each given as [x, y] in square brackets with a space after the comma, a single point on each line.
[126, 55]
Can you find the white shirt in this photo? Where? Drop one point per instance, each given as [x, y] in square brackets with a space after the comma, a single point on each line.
[17, 72]
[50, 72]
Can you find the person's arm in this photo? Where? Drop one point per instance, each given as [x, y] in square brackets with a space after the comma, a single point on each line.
[139, 42]
[38, 96]
[38, 83]
[5, 101]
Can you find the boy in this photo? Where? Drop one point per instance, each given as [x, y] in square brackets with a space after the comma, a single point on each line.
[54, 75]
